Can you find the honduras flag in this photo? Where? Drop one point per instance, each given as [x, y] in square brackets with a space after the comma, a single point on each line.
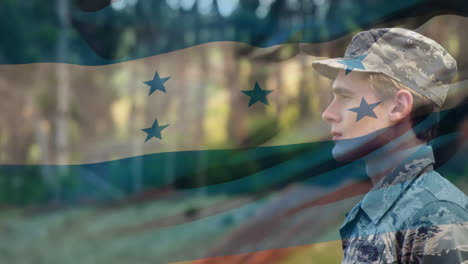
[189, 130]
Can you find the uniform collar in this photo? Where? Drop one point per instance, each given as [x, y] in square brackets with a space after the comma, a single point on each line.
[385, 193]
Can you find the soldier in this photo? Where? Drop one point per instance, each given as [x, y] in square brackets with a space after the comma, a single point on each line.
[388, 89]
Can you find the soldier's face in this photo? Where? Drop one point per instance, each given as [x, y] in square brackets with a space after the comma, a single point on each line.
[353, 129]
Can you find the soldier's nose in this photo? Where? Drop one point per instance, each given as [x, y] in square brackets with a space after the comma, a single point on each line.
[329, 115]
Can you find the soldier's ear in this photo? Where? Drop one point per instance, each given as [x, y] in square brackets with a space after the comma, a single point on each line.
[401, 105]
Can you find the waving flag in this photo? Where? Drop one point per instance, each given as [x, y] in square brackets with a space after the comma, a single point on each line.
[106, 32]
[188, 131]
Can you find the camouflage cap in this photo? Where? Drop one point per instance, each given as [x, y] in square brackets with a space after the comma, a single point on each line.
[404, 55]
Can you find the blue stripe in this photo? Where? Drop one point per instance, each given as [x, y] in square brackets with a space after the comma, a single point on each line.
[30, 31]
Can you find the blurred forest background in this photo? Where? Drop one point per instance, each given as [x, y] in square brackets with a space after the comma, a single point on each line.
[56, 117]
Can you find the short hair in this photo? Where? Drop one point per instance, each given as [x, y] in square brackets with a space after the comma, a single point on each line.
[422, 107]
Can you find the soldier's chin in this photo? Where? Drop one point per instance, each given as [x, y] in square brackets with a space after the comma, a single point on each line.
[347, 150]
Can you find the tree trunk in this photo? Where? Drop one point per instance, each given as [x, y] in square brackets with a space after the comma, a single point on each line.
[63, 84]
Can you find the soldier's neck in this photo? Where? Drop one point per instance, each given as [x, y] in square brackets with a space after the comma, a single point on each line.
[382, 161]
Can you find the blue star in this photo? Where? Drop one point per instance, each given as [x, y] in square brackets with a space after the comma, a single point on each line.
[352, 64]
[364, 109]
[157, 83]
[154, 131]
[257, 95]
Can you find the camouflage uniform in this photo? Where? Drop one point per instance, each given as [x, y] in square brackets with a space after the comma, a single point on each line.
[412, 215]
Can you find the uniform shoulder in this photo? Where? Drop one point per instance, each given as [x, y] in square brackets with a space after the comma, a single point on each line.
[444, 202]
[441, 189]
